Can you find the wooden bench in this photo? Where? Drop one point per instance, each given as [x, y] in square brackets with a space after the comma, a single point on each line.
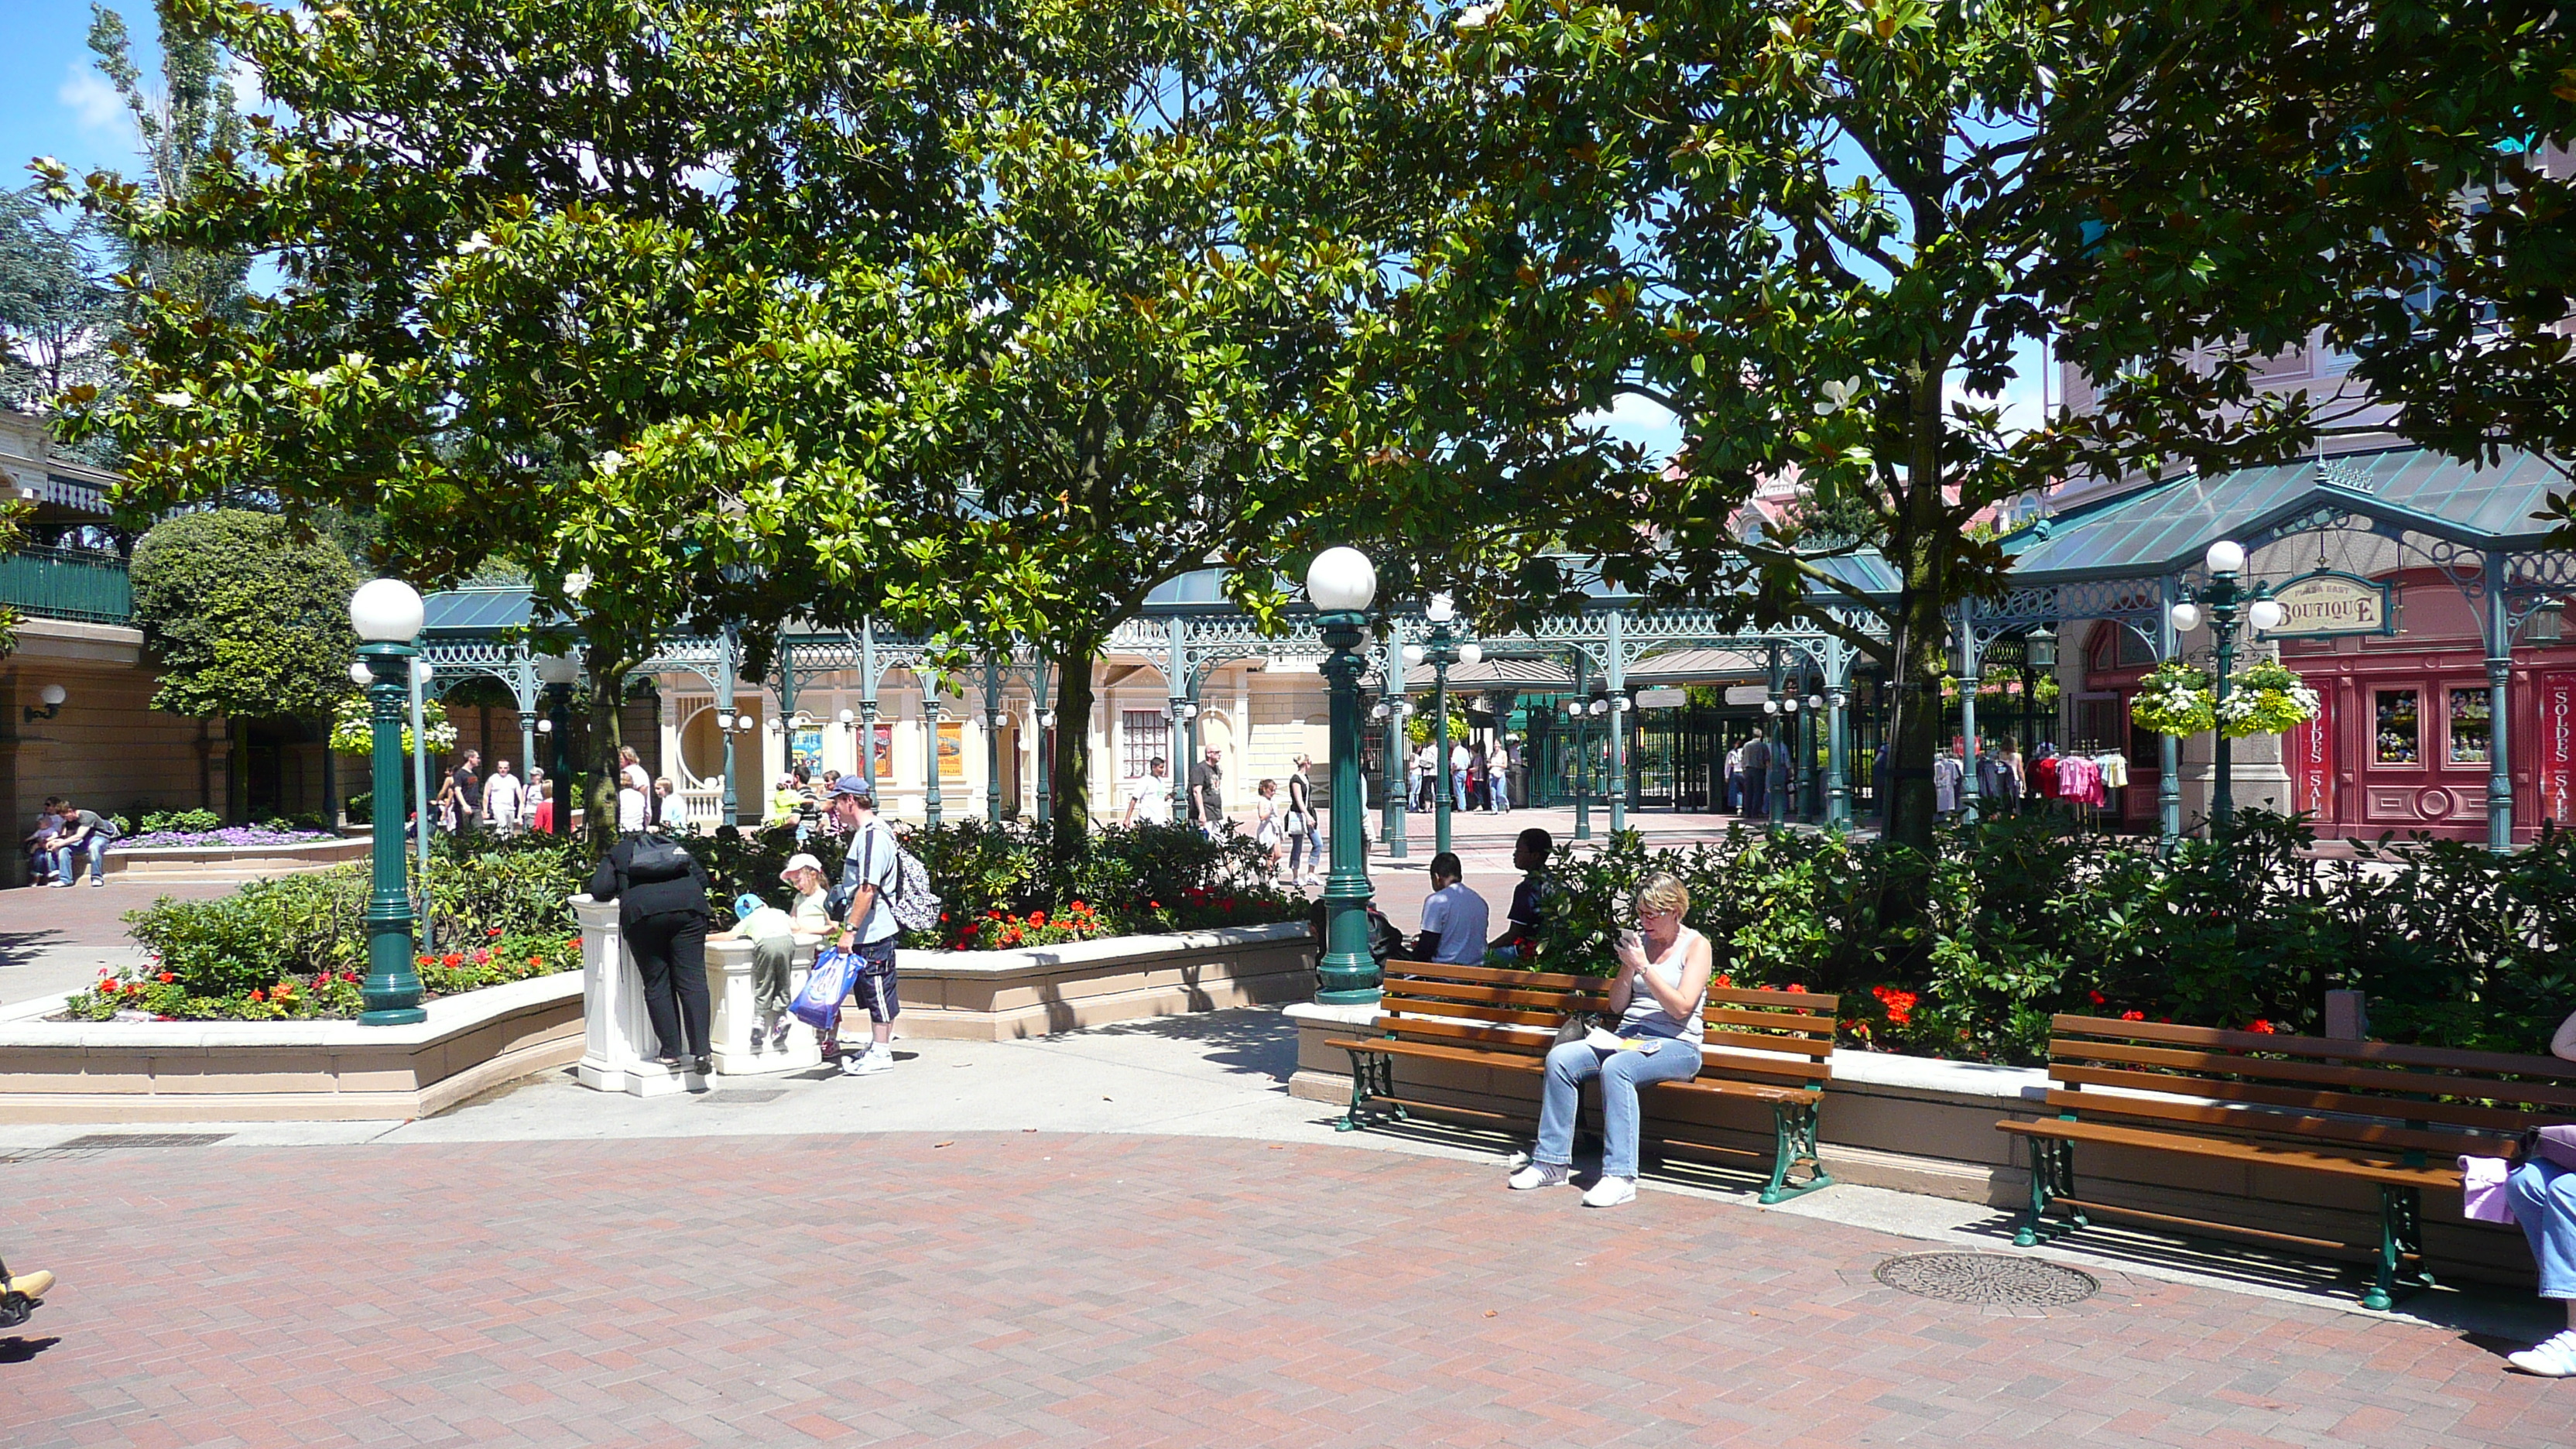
[2395, 1117]
[1770, 1047]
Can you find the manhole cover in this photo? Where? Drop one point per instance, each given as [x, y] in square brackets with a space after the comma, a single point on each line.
[98, 1141]
[1987, 1279]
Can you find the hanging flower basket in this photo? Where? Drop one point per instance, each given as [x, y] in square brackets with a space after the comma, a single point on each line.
[2174, 699]
[353, 730]
[2266, 699]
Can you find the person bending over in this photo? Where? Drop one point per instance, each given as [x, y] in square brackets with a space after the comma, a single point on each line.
[1658, 992]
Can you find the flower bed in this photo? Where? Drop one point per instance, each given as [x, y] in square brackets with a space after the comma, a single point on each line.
[1015, 885]
[2027, 917]
[231, 835]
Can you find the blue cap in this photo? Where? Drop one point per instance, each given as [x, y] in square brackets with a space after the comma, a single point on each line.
[745, 904]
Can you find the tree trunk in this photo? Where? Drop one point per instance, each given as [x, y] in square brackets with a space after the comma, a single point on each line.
[1069, 774]
[607, 734]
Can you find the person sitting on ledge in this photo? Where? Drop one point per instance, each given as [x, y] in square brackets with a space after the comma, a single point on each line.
[2543, 1190]
[1661, 985]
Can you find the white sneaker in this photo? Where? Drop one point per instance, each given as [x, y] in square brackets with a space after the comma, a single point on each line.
[1611, 1192]
[868, 1063]
[1540, 1174]
[2553, 1358]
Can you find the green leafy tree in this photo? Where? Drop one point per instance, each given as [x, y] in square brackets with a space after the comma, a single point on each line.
[56, 308]
[535, 256]
[1124, 362]
[1827, 235]
[244, 618]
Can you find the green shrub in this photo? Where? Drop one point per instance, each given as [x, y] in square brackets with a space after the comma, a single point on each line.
[2029, 917]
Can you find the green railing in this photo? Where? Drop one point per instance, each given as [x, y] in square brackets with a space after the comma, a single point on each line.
[67, 584]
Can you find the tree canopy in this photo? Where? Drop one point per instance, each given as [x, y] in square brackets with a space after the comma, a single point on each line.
[243, 617]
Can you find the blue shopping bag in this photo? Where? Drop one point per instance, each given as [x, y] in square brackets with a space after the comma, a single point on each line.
[826, 986]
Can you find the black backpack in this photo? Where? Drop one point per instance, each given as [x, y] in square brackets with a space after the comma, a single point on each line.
[657, 858]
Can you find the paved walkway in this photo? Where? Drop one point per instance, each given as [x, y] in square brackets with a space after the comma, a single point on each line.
[1123, 1236]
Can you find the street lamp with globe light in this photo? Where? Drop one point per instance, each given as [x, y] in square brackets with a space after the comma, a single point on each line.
[2226, 605]
[1341, 584]
[387, 615]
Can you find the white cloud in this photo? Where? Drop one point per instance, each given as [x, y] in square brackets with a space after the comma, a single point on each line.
[96, 107]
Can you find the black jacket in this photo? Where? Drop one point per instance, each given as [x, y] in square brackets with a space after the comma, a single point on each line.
[652, 898]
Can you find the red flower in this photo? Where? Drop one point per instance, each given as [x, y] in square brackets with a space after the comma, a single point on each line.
[167, 978]
[2259, 1025]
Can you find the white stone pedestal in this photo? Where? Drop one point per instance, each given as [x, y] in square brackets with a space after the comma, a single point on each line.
[617, 1037]
[740, 1049]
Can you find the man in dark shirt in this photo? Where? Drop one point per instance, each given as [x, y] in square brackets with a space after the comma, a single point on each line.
[1529, 904]
[1206, 808]
[469, 793]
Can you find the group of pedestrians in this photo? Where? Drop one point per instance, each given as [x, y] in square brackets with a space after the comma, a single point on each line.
[1477, 777]
[664, 912]
[501, 802]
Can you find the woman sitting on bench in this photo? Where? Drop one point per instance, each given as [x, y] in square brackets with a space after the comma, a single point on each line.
[2544, 1202]
[1661, 986]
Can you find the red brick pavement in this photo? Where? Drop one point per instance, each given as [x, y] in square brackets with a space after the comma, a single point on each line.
[1025, 1288]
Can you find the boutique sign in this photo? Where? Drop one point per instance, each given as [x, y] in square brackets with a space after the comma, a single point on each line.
[2321, 605]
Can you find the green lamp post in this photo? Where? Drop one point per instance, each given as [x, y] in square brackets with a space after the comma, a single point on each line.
[387, 615]
[1341, 584]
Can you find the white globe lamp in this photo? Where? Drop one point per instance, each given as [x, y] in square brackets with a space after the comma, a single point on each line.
[1341, 581]
[385, 611]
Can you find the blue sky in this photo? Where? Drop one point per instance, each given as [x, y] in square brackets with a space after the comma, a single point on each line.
[53, 102]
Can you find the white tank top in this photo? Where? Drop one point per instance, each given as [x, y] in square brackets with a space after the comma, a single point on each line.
[1645, 1015]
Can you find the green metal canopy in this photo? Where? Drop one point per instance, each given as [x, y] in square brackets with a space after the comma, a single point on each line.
[2164, 528]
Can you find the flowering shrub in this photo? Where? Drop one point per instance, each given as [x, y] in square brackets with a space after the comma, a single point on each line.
[2266, 699]
[228, 835]
[2174, 699]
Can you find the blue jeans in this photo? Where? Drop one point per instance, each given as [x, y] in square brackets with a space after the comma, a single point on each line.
[2544, 1202]
[1621, 1074]
[67, 860]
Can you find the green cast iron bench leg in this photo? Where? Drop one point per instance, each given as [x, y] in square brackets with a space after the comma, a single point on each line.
[1794, 1142]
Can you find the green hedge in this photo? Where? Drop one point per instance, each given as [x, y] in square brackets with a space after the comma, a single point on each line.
[2028, 917]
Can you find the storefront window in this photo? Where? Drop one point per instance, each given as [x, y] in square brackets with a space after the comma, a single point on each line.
[2472, 726]
[2400, 731]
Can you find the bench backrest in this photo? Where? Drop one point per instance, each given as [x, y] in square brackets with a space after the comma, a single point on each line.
[1485, 1007]
[1776, 1038]
[2426, 1102]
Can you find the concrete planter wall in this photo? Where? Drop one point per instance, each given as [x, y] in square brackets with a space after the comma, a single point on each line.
[1925, 1125]
[288, 1071]
[1006, 995]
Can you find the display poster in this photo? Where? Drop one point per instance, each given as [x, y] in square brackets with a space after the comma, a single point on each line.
[2308, 750]
[952, 752]
[2555, 779]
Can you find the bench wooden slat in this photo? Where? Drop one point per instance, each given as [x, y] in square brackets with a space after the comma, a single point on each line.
[2551, 1068]
[2233, 1150]
[1557, 1001]
[2268, 1121]
[1491, 976]
[2377, 1079]
[2315, 1100]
